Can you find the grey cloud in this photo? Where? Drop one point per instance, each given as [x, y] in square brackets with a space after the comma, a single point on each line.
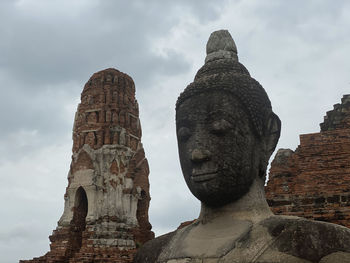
[179, 208]
[309, 20]
[297, 50]
[42, 50]
[33, 120]
[22, 232]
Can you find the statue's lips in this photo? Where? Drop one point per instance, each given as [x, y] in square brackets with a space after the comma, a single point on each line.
[202, 177]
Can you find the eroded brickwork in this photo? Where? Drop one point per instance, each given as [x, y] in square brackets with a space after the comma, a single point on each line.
[105, 217]
[314, 180]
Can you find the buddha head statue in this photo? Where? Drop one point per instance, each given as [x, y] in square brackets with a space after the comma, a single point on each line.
[226, 129]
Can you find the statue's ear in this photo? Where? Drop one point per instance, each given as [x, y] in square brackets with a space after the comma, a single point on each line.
[273, 133]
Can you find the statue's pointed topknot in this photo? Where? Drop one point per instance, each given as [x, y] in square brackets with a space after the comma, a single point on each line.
[221, 46]
[222, 72]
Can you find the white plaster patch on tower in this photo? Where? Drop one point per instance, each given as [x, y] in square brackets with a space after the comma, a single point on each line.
[104, 198]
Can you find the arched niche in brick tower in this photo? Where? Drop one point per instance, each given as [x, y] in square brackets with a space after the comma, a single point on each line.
[78, 223]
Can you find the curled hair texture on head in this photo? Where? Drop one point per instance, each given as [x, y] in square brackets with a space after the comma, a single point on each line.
[227, 75]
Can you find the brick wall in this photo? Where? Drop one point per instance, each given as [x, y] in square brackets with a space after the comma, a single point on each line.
[314, 180]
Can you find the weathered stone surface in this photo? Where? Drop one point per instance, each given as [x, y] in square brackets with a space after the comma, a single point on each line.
[314, 181]
[275, 239]
[226, 132]
[339, 117]
[221, 45]
[105, 216]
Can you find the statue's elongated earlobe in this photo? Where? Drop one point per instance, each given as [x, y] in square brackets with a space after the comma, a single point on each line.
[273, 132]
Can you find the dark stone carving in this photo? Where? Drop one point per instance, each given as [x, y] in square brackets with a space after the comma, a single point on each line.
[208, 129]
[226, 134]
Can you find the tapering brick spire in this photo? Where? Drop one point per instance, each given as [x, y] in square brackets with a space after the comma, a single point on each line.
[106, 202]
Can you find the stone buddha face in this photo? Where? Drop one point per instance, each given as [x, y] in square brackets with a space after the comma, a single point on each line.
[219, 151]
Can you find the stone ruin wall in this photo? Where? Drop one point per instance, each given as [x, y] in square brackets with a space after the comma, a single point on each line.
[314, 180]
[105, 216]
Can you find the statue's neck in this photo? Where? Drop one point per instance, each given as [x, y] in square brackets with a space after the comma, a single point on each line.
[250, 207]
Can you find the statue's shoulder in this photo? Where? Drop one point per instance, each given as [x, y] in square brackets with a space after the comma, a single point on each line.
[150, 251]
[307, 239]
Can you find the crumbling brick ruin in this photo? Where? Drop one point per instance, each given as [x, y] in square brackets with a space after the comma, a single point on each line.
[105, 216]
[314, 180]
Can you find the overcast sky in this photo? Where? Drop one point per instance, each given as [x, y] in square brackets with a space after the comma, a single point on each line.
[298, 50]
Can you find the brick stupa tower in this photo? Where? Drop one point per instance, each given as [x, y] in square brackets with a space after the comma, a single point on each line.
[105, 215]
[314, 180]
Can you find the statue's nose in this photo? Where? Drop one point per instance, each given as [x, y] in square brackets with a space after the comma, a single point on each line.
[200, 155]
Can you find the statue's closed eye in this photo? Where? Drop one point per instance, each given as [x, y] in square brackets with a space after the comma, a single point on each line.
[220, 127]
[183, 133]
